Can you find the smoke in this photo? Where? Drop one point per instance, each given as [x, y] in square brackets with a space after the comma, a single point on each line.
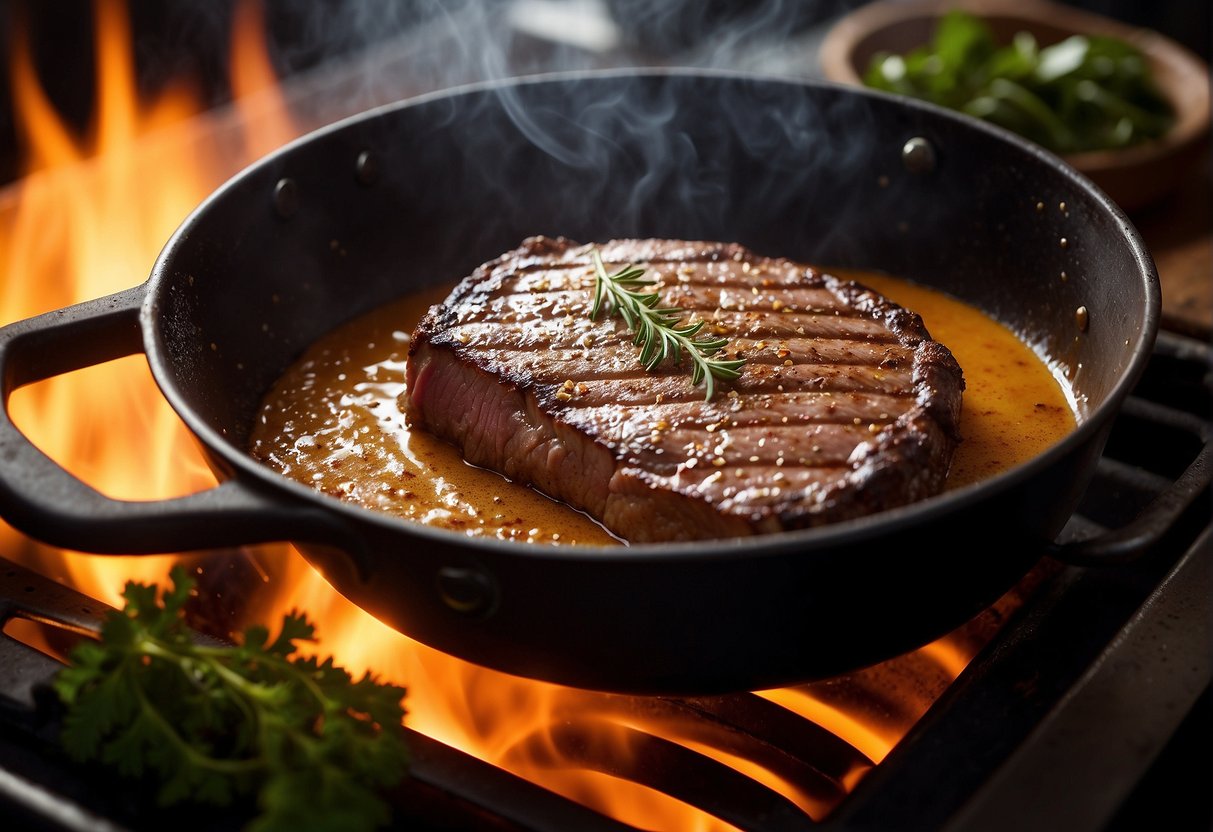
[586, 160]
[415, 46]
[602, 138]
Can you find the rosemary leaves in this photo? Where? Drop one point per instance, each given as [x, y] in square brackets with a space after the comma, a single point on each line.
[657, 330]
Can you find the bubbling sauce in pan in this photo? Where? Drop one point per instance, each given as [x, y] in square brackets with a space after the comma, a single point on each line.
[332, 422]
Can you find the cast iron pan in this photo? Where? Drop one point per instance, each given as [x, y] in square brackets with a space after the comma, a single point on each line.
[424, 191]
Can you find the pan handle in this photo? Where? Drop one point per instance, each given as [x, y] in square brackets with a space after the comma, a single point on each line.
[1131, 541]
[41, 499]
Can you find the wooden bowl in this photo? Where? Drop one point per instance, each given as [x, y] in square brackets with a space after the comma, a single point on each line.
[1135, 176]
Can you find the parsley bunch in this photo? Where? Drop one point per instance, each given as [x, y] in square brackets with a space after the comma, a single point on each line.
[214, 723]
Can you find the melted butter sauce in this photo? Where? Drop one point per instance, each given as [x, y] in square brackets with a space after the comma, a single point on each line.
[1014, 406]
[332, 422]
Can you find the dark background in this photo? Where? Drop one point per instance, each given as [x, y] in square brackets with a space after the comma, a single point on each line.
[190, 37]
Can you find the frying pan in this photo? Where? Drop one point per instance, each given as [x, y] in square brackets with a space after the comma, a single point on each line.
[421, 192]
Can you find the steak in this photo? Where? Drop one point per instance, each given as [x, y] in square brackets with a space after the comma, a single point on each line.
[845, 405]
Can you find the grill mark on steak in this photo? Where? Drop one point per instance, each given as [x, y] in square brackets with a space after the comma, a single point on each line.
[557, 366]
[555, 288]
[756, 319]
[531, 335]
[844, 407]
[756, 325]
[796, 408]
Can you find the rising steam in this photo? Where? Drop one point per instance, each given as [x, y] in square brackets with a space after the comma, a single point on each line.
[622, 158]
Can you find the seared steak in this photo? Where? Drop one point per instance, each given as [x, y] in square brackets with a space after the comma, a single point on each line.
[845, 406]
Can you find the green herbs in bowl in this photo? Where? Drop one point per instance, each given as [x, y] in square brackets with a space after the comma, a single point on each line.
[1086, 93]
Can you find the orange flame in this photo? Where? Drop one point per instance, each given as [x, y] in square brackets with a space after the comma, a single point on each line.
[85, 222]
[88, 220]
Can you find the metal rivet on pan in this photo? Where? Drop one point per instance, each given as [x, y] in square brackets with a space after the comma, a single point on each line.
[467, 591]
[286, 198]
[918, 155]
[1082, 318]
[366, 169]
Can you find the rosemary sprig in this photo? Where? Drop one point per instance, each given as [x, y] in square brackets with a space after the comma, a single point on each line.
[656, 328]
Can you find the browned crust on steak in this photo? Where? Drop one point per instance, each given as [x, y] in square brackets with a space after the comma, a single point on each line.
[844, 407]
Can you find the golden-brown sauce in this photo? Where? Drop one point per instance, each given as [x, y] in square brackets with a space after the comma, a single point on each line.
[1014, 407]
[332, 422]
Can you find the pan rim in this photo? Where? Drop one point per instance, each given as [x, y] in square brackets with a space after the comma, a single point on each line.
[878, 524]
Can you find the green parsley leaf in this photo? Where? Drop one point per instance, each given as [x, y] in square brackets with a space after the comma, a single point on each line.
[212, 724]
